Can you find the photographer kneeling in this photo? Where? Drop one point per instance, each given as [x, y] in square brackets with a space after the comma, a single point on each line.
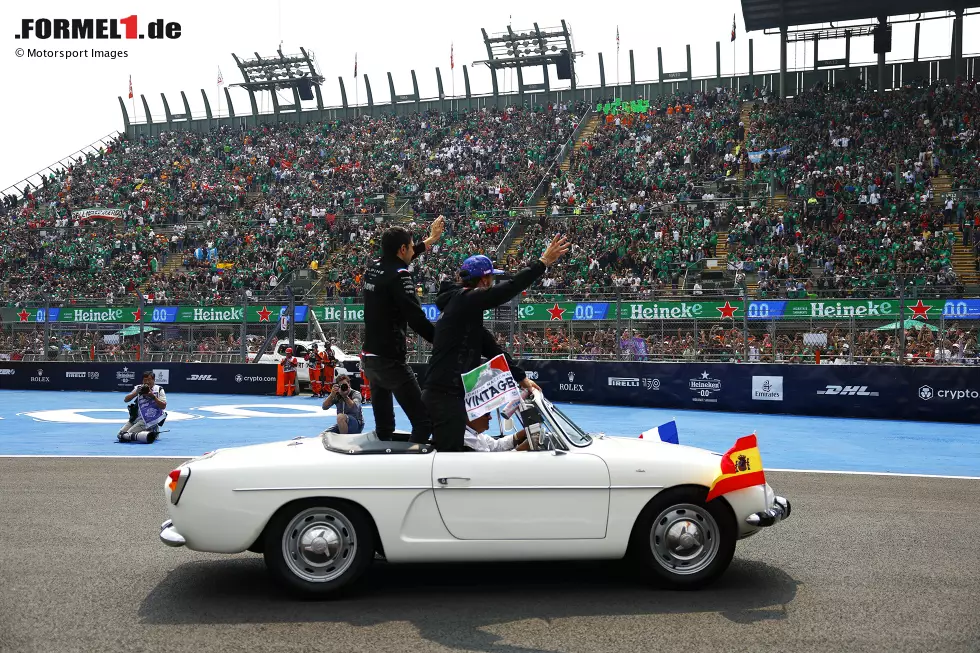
[149, 414]
[348, 402]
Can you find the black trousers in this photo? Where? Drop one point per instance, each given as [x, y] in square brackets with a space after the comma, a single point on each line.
[448, 415]
[395, 378]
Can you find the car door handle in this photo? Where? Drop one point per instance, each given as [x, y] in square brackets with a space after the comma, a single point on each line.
[445, 479]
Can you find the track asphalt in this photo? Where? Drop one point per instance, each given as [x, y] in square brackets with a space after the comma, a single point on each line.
[865, 563]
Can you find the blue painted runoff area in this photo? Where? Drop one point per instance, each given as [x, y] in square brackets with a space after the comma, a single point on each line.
[85, 424]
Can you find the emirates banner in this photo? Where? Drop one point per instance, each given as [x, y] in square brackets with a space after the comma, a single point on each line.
[711, 311]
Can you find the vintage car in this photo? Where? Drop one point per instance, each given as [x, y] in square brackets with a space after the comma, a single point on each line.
[321, 509]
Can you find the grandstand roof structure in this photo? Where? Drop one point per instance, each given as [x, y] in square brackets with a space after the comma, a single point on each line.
[768, 14]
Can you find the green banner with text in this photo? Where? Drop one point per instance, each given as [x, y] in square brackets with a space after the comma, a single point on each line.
[777, 309]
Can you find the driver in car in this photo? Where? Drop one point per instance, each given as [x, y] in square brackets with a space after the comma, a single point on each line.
[476, 440]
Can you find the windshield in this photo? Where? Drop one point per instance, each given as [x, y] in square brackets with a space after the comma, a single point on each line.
[575, 435]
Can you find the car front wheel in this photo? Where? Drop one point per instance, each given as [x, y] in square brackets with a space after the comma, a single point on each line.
[682, 541]
[319, 547]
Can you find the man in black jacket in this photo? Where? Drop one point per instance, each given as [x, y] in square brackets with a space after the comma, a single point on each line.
[390, 306]
[461, 340]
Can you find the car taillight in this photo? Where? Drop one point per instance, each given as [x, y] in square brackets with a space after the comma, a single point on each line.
[177, 479]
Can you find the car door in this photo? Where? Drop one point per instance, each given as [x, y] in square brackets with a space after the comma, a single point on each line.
[526, 495]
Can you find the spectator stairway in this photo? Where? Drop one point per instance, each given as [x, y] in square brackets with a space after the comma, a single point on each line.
[744, 117]
[587, 131]
[964, 261]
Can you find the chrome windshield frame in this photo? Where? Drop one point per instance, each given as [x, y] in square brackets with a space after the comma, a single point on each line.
[555, 423]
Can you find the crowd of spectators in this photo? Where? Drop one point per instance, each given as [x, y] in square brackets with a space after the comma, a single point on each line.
[643, 201]
[262, 202]
[642, 196]
[858, 169]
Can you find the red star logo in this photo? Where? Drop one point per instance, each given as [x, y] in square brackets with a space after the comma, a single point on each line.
[727, 310]
[138, 315]
[23, 315]
[264, 314]
[920, 310]
[556, 312]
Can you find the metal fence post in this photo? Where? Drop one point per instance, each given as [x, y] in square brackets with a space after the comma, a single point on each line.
[901, 321]
[745, 326]
[243, 348]
[619, 325]
[292, 315]
[515, 305]
[850, 353]
[139, 311]
[340, 328]
[47, 327]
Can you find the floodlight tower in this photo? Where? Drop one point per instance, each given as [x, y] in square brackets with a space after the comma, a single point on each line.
[528, 48]
[296, 72]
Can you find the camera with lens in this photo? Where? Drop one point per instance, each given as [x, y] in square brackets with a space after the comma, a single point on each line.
[344, 388]
[144, 389]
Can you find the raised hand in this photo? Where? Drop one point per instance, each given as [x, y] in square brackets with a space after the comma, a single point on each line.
[558, 246]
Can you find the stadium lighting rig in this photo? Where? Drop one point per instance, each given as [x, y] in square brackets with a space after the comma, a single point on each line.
[296, 72]
[529, 48]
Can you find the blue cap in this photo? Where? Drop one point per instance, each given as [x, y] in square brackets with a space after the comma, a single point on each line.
[476, 267]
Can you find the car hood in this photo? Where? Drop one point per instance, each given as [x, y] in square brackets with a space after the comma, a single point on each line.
[669, 464]
[283, 451]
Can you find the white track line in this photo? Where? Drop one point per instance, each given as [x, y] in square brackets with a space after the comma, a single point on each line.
[831, 471]
[797, 471]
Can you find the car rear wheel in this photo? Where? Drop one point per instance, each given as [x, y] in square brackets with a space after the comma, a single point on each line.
[683, 542]
[319, 547]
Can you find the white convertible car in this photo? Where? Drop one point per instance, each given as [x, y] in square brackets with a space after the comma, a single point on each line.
[321, 509]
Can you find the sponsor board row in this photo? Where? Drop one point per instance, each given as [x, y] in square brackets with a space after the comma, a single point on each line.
[887, 392]
[182, 377]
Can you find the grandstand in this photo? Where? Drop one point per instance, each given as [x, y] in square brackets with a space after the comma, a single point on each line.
[783, 185]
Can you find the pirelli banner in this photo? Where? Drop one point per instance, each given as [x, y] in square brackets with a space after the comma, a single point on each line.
[757, 310]
[231, 378]
[942, 394]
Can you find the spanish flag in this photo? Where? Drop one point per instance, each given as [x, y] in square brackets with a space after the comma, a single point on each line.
[741, 467]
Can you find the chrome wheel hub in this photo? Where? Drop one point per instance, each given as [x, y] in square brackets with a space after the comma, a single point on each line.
[684, 539]
[319, 545]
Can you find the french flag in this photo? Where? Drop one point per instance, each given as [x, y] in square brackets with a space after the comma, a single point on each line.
[666, 432]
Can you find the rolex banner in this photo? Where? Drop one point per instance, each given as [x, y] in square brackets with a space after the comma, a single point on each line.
[97, 214]
[489, 386]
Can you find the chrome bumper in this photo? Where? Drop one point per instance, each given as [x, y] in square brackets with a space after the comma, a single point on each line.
[169, 534]
[779, 511]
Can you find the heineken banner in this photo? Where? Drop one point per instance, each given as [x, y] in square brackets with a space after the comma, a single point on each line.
[155, 314]
[779, 309]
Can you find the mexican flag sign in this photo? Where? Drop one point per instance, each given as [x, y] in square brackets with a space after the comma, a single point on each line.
[489, 386]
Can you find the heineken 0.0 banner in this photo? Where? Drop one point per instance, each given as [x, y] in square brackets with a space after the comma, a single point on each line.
[777, 309]
[489, 386]
[155, 314]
